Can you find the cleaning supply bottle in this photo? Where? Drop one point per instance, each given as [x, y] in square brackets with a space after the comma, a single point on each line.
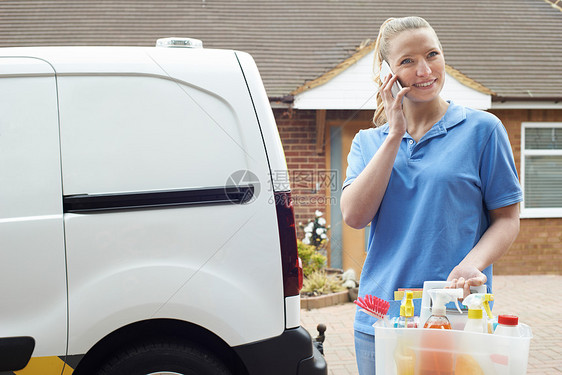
[404, 355]
[475, 303]
[505, 361]
[437, 357]
[440, 298]
[465, 363]
[508, 325]
[406, 319]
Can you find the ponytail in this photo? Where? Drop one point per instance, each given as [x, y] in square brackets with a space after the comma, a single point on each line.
[380, 117]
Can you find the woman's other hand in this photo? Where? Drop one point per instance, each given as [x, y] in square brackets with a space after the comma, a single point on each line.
[464, 276]
[493, 244]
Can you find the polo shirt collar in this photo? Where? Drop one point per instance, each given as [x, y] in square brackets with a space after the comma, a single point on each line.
[455, 115]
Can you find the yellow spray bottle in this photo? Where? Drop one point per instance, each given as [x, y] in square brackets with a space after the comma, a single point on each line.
[406, 319]
[404, 355]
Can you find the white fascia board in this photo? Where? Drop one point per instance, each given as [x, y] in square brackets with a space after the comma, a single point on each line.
[355, 89]
[527, 105]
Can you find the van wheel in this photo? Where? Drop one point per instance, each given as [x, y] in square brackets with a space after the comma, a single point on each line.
[165, 358]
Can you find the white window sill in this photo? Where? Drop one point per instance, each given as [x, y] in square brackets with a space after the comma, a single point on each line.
[536, 213]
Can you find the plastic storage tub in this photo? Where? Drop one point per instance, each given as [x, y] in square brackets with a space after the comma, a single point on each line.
[432, 351]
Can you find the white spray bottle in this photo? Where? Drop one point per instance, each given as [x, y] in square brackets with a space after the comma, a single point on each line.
[457, 320]
[440, 298]
[438, 357]
[466, 363]
[475, 303]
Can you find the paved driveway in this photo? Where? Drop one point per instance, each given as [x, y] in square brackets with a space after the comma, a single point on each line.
[537, 300]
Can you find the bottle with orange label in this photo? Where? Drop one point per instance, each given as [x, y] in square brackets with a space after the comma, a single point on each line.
[437, 357]
[440, 298]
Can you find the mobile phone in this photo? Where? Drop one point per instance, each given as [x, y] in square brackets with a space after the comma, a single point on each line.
[385, 70]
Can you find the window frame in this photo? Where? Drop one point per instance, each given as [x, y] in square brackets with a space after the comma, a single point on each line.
[536, 212]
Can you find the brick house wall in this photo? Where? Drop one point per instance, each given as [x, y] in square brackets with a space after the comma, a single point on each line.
[537, 249]
[298, 134]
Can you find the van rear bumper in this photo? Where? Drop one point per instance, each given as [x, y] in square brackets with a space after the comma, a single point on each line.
[291, 353]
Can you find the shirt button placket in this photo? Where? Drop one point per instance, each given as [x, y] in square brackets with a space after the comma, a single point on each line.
[410, 147]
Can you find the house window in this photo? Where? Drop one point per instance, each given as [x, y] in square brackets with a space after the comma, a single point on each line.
[541, 169]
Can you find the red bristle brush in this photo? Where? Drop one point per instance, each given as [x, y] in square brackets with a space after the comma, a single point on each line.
[373, 306]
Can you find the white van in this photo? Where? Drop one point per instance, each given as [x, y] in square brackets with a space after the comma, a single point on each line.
[142, 228]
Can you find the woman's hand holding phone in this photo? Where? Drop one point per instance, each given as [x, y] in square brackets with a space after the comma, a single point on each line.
[393, 103]
[385, 71]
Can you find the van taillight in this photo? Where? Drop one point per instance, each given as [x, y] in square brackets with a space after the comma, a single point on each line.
[292, 265]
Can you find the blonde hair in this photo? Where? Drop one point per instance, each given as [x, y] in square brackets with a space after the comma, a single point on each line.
[388, 31]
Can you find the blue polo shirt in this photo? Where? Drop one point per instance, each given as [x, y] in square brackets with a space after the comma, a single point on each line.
[435, 208]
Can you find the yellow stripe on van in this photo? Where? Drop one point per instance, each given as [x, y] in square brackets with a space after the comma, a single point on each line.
[45, 366]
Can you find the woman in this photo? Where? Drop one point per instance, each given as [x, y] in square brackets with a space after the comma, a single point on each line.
[437, 181]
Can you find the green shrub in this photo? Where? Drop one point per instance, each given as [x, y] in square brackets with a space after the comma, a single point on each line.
[318, 283]
[312, 260]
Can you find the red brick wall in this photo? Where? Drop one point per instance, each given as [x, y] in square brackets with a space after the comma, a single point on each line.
[538, 248]
[298, 134]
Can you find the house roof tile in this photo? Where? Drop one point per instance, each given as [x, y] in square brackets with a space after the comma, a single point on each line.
[513, 48]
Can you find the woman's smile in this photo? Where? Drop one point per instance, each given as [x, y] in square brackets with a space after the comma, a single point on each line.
[425, 84]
